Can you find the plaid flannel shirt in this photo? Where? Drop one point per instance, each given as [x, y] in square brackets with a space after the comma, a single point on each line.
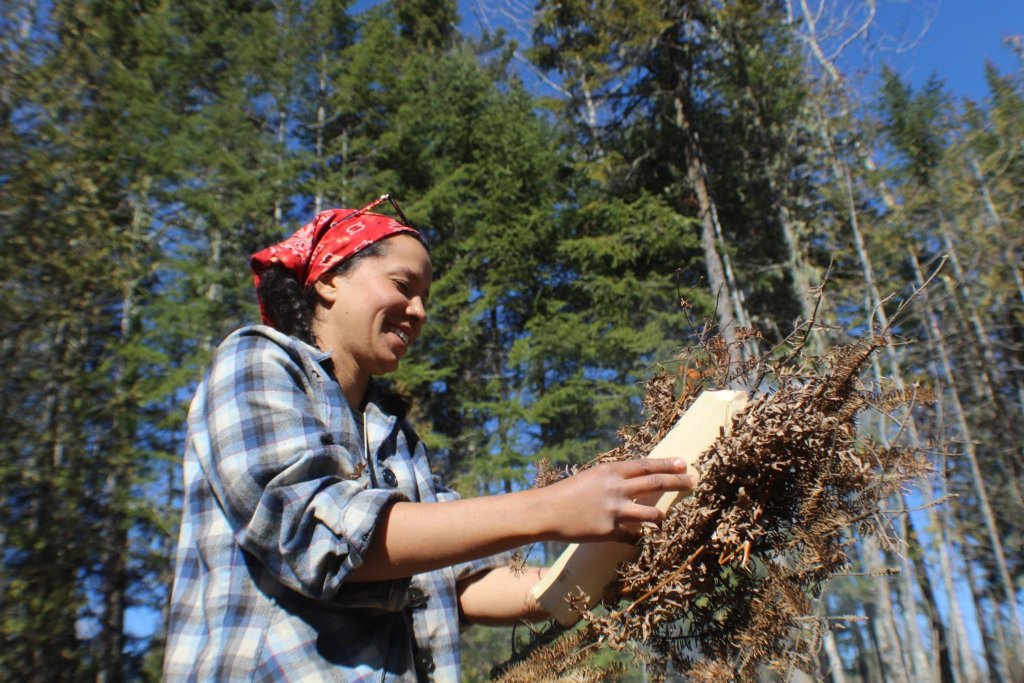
[278, 510]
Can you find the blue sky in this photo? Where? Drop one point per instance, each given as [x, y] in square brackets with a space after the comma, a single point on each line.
[963, 34]
[916, 38]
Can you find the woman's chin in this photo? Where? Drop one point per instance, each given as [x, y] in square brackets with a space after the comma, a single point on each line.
[388, 364]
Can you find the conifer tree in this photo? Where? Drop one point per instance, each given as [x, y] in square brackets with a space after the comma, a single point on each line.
[77, 246]
[687, 112]
[470, 163]
[927, 179]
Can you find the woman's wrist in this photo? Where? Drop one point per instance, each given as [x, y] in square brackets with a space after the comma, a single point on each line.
[543, 514]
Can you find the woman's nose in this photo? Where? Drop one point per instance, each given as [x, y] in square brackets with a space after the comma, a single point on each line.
[418, 309]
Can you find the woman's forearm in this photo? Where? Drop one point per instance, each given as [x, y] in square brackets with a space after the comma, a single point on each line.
[501, 597]
[605, 503]
[412, 538]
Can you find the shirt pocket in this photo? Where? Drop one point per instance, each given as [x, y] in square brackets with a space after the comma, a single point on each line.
[386, 596]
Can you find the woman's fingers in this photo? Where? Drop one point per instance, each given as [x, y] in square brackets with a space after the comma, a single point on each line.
[645, 466]
[634, 515]
[656, 476]
[638, 513]
[659, 483]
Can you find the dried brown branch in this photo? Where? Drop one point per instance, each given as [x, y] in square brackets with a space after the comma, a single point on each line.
[727, 583]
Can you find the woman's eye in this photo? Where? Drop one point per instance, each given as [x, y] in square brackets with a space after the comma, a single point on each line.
[403, 287]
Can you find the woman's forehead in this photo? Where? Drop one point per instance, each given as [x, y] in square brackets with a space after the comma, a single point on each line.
[407, 252]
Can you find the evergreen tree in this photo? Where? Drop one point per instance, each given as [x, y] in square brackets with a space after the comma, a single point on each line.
[474, 166]
[698, 106]
[947, 189]
[147, 148]
[77, 245]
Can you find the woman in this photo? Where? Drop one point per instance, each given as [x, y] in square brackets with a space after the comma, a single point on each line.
[315, 543]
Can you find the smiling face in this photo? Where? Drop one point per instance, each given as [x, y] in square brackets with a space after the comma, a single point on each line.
[370, 315]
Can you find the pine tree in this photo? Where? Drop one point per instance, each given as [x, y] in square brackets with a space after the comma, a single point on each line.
[473, 165]
[76, 255]
[684, 107]
[927, 178]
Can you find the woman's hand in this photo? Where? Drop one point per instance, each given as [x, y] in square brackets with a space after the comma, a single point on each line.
[609, 502]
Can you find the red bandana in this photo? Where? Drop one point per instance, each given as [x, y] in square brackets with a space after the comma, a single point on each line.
[333, 236]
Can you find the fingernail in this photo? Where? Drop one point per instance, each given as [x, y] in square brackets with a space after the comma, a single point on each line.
[680, 464]
[694, 480]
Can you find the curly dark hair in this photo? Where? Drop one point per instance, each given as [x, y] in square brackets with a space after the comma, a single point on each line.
[289, 305]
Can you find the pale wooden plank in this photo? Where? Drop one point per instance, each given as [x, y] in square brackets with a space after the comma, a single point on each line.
[591, 567]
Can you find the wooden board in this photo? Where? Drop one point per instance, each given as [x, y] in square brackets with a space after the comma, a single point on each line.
[592, 567]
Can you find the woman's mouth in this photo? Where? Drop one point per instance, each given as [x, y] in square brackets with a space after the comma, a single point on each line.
[402, 334]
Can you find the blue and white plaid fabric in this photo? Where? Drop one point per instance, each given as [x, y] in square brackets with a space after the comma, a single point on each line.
[278, 510]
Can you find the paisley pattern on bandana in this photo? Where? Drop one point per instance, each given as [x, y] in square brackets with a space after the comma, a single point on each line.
[329, 239]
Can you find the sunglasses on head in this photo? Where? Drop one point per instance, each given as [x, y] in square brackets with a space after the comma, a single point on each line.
[358, 212]
[384, 197]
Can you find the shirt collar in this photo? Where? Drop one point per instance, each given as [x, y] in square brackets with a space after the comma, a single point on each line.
[323, 358]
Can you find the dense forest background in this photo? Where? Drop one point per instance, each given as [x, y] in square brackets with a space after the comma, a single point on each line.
[577, 179]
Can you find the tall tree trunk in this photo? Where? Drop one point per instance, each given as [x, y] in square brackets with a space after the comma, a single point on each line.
[168, 547]
[977, 479]
[943, 653]
[282, 119]
[110, 666]
[110, 660]
[731, 313]
[996, 673]
[883, 618]
[836, 672]
[590, 105]
[1010, 650]
[321, 124]
[869, 660]
[795, 262]
[213, 289]
[52, 654]
[963, 656]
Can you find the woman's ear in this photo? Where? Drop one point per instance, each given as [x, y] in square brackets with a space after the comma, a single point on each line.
[326, 288]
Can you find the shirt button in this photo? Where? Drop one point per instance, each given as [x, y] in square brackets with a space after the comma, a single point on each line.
[424, 662]
[417, 598]
[389, 477]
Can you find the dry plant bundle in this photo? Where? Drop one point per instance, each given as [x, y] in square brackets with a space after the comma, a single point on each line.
[726, 584]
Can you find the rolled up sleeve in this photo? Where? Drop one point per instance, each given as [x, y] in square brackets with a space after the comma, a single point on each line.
[294, 497]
